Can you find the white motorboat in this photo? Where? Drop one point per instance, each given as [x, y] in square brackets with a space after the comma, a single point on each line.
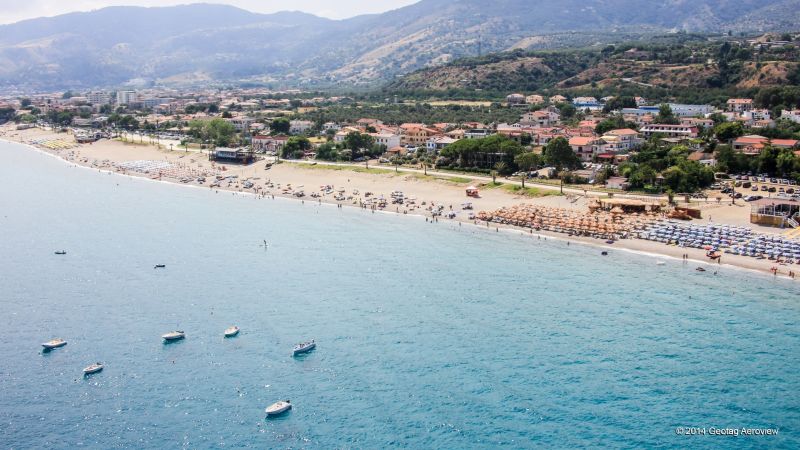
[231, 332]
[94, 368]
[174, 336]
[278, 408]
[305, 347]
[55, 343]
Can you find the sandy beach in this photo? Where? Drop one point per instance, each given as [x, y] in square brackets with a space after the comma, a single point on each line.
[351, 186]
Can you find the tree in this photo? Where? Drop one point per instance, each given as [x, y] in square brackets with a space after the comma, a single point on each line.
[501, 167]
[559, 154]
[527, 161]
[295, 147]
[562, 175]
[358, 142]
[281, 125]
[665, 115]
[327, 152]
[6, 114]
[617, 103]
[567, 110]
[219, 132]
[614, 122]
[727, 131]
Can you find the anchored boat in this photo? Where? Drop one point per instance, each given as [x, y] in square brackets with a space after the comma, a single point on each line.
[278, 408]
[174, 336]
[231, 332]
[304, 348]
[94, 368]
[55, 343]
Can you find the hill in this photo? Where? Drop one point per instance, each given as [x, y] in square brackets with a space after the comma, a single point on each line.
[670, 63]
[115, 45]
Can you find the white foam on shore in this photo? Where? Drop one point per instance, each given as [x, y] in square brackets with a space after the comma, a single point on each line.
[498, 227]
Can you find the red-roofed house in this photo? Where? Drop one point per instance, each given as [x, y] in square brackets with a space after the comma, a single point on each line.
[621, 140]
[416, 134]
[586, 146]
[753, 144]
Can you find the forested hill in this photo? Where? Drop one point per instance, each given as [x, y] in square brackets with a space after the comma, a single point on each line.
[672, 65]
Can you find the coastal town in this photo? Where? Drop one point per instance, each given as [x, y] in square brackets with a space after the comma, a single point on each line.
[610, 170]
[400, 224]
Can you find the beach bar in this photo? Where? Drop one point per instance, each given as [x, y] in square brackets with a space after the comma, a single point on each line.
[775, 212]
[232, 155]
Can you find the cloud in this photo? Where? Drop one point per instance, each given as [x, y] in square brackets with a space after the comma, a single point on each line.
[337, 9]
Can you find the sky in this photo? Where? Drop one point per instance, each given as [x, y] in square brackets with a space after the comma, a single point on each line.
[16, 10]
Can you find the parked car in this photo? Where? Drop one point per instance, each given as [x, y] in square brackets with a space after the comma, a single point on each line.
[772, 189]
[754, 188]
[764, 188]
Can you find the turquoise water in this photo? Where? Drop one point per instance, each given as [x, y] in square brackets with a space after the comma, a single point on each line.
[429, 336]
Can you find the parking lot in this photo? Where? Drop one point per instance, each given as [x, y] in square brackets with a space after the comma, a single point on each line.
[755, 187]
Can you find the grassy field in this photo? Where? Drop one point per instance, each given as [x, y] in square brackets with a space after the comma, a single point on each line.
[341, 168]
[532, 192]
[460, 103]
[529, 191]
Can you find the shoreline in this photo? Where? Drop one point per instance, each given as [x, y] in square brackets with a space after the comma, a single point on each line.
[631, 245]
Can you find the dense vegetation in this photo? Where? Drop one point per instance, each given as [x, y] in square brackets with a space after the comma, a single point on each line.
[723, 69]
[656, 162]
[415, 113]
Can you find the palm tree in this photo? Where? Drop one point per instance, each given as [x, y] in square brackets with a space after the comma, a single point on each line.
[494, 176]
[561, 175]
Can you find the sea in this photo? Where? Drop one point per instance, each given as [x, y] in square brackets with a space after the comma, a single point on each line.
[429, 335]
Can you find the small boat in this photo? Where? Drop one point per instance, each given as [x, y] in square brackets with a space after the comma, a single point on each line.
[231, 332]
[94, 368]
[55, 343]
[61, 252]
[700, 269]
[661, 263]
[174, 336]
[305, 347]
[278, 408]
[160, 266]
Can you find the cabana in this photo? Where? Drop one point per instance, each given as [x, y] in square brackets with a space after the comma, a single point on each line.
[628, 205]
[775, 212]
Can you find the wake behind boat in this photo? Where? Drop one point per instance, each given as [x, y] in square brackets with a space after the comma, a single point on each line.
[305, 347]
[231, 332]
[94, 368]
[55, 343]
[174, 336]
[278, 408]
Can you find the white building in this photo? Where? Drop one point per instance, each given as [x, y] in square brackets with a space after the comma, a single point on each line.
[126, 97]
[241, 123]
[390, 140]
[99, 98]
[681, 110]
[300, 126]
[793, 115]
[437, 143]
